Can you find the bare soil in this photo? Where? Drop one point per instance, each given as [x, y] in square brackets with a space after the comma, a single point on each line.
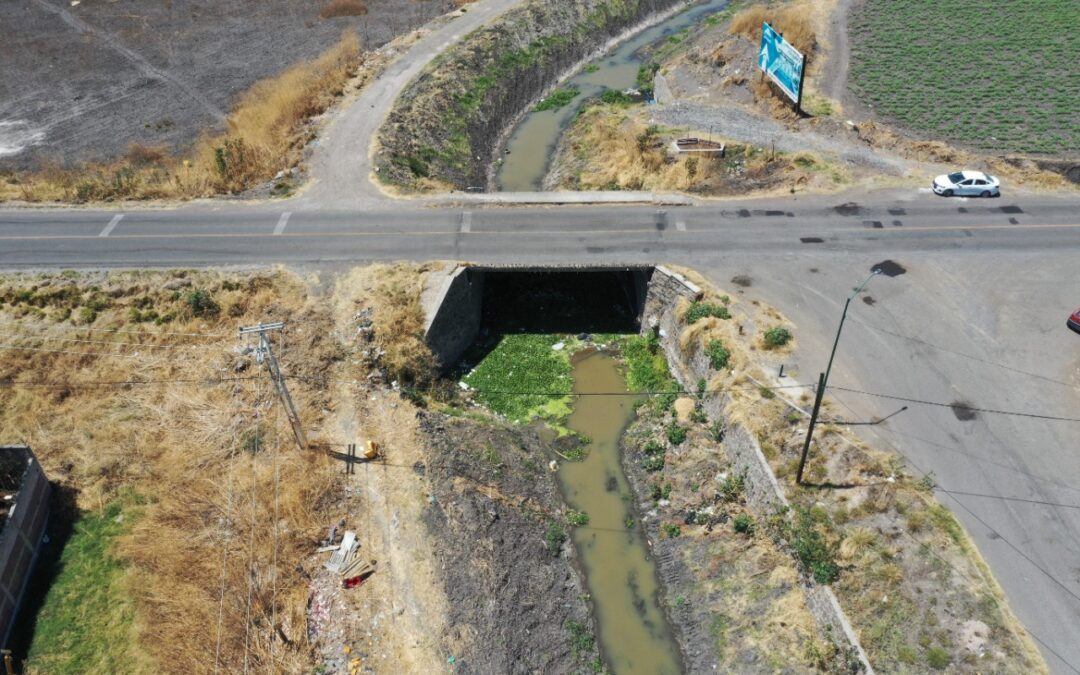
[82, 81]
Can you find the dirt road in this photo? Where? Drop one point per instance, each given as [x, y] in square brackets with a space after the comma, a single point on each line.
[341, 163]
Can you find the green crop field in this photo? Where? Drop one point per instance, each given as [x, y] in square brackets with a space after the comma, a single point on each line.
[996, 76]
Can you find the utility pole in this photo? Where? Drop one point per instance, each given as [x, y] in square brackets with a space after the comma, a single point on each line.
[265, 354]
[824, 377]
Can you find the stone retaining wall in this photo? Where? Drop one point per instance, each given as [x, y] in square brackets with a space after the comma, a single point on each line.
[764, 493]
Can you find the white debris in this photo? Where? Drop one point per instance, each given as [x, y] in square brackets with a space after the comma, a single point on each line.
[558, 346]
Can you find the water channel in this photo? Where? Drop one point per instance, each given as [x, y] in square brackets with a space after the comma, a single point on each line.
[532, 142]
[633, 632]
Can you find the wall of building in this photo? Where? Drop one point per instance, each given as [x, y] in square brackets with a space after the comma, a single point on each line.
[21, 536]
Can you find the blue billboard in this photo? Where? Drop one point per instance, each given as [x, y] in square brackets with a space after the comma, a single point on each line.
[781, 62]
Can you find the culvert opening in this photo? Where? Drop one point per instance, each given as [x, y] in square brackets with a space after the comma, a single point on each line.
[478, 305]
[563, 301]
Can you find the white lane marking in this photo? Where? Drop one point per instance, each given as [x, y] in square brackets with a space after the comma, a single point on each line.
[680, 226]
[111, 225]
[466, 221]
[282, 222]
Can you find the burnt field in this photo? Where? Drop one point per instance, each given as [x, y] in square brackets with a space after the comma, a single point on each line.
[83, 82]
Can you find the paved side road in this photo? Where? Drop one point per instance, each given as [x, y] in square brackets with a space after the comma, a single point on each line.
[341, 163]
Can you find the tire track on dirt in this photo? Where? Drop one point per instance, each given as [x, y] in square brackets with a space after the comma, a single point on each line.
[147, 68]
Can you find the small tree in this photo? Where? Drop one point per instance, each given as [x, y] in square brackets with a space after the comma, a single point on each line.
[777, 336]
[718, 354]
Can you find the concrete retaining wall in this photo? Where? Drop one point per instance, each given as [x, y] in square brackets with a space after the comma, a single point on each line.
[453, 316]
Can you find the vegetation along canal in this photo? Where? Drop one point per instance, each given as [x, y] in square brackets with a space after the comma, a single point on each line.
[533, 140]
[634, 634]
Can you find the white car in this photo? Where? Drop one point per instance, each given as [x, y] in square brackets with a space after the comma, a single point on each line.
[967, 184]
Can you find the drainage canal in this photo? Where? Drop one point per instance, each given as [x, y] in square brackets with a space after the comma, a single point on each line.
[633, 631]
[533, 140]
[512, 329]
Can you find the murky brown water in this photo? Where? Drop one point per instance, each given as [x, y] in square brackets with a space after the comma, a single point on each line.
[633, 632]
[533, 140]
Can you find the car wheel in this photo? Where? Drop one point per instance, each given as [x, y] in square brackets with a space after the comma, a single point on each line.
[947, 193]
[985, 194]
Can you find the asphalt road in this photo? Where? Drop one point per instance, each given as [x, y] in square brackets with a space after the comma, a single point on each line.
[978, 317]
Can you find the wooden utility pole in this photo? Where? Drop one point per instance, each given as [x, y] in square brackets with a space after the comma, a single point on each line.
[264, 354]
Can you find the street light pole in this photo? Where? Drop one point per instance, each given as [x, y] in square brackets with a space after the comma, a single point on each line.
[823, 379]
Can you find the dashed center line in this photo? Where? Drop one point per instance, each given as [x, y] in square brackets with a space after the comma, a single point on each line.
[466, 221]
[282, 222]
[112, 224]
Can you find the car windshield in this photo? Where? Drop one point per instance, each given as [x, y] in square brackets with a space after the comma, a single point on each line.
[956, 177]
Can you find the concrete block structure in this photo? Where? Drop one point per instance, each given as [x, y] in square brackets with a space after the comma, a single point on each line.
[24, 511]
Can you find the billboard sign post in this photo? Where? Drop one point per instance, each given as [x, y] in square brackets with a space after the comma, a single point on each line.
[782, 63]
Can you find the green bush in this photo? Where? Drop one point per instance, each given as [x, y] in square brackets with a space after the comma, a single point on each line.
[700, 310]
[815, 555]
[676, 434]
[744, 524]
[653, 462]
[577, 518]
[718, 354]
[202, 304]
[653, 447]
[556, 99]
[777, 336]
[731, 490]
[555, 536]
[616, 97]
[938, 658]
[671, 530]
[580, 639]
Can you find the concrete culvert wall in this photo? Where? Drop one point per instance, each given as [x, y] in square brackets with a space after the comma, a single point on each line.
[469, 301]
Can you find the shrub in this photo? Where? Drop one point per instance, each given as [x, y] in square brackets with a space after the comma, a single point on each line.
[577, 518]
[671, 530]
[938, 658]
[732, 488]
[815, 555]
[616, 97]
[555, 536]
[653, 462]
[702, 385]
[653, 447]
[700, 310]
[718, 355]
[777, 336]
[201, 303]
[557, 99]
[744, 524]
[718, 430]
[676, 434]
[580, 638]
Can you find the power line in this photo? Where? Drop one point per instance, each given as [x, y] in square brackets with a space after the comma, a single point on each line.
[126, 331]
[68, 351]
[93, 384]
[103, 342]
[957, 406]
[988, 362]
[1012, 499]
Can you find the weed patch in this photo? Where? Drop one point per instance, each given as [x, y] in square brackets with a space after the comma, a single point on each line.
[556, 99]
[524, 363]
[87, 623]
